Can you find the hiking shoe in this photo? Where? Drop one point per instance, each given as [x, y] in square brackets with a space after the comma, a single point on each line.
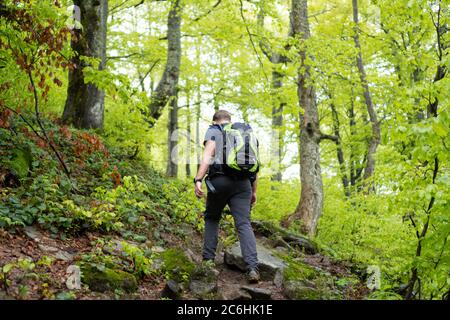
[253, 276]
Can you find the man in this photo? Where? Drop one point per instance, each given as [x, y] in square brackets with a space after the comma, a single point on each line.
[238, 191]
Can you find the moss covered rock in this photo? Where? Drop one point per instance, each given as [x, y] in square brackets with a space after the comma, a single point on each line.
[20, 162]
[108, 279]
[304, 282]
[177, 265]
[204, 281]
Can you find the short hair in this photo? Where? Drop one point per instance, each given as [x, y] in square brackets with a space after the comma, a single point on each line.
[222, 115]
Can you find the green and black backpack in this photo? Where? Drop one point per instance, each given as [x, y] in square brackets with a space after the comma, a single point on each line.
[240, 149]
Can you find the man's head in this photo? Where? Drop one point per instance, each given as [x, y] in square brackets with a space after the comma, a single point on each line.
[221, 116]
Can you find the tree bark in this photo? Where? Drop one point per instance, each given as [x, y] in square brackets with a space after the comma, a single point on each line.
[277, 123]
[376, 134]
[167, 86]
[310, 206]
[198, 149]
[172, 139]
[278, 107]
[85, 102]
[339, 151]
[188, 140]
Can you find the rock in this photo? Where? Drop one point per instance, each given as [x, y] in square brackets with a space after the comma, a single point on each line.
[177, 265]
[172, 290]
[201, 289]
[56, 253]
[20, 163]
[301, 242]
[33, 233]
[258, 293]
[231, 292]
[282, 249]
[73, 282]
[63, 255]
[158, 249]
[269, 265]
[157, 264]
[204, 281]
[298, 290]
[115, 246]
[192, 257]
[108, 279]
[278, 279]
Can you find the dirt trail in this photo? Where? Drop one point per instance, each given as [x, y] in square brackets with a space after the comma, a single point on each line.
[35, 243]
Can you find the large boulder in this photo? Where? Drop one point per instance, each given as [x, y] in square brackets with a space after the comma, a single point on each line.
[269, 265]
[108, 279]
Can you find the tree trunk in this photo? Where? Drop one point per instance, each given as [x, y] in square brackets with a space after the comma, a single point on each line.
[376, 134]
[198, 149]
[172, 139]
[277, 123]
[85, 102]
[339, 151]
[277, 109]
[188, 140]
[310, 206]
[198, 106]
[167, 87]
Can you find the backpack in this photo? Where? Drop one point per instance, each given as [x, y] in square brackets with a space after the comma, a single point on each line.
[240, 149]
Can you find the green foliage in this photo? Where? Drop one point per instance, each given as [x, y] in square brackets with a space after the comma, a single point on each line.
[275, 199]
[114, 191]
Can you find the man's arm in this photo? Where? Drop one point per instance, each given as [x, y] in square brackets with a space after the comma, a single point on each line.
[254, 187]
[208, 156]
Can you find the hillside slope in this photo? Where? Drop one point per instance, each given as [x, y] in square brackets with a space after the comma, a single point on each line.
[117, 229]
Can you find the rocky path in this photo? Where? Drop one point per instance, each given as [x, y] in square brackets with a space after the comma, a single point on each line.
[291, 267]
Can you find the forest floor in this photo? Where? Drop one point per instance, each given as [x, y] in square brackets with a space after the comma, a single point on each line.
[35, 244]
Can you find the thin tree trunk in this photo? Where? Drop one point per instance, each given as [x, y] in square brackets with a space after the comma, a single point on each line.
[376, 134]
[172, 139]
[188, 140]
[310, 206]
[197, 128]
[356, 165]
[277, 123]
[85, 104]
[167, 87]
[278, 107]
[198, 148]
[339, 151]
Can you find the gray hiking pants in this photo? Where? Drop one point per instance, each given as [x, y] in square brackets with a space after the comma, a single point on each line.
[237, 194]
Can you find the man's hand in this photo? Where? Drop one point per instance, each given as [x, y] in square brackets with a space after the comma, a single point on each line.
[198, 189]
[253, 201]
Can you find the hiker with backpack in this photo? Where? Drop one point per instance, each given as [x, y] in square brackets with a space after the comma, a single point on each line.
[231, 162]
